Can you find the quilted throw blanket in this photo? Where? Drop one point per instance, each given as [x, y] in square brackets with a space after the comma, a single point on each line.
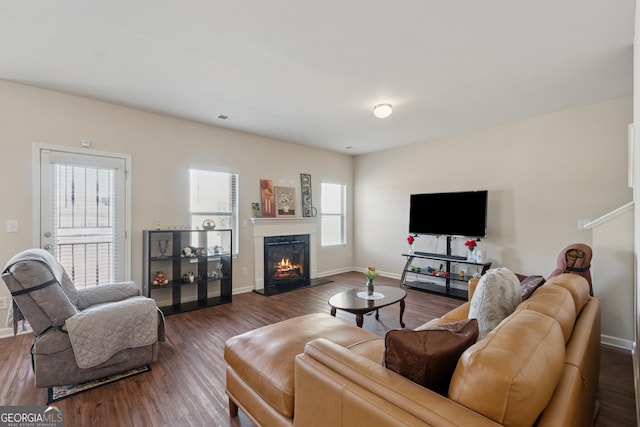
[101, 331]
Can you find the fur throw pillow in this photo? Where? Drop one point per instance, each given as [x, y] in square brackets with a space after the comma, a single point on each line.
[497, 295]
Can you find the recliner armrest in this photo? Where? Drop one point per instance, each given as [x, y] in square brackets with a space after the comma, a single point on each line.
[111, 292]
[102, 330]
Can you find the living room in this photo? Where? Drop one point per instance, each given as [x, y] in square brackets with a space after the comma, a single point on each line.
[544, 173]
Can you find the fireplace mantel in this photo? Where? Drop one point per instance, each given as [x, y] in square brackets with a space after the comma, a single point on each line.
[281, 227]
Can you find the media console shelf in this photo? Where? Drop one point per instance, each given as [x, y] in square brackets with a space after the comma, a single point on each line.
[440, 283]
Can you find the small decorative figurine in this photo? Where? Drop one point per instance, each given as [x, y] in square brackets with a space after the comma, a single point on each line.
[159, 279]
[208, 224]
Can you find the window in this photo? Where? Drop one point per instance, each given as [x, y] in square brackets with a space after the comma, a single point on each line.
[214, 195]
[333, 214]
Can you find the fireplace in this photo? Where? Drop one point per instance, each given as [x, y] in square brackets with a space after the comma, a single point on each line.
[286, 263]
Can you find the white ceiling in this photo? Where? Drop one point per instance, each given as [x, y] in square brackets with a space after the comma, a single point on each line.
[311, 72]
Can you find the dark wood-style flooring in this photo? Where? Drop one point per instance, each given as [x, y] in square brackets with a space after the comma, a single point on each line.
[186, 384]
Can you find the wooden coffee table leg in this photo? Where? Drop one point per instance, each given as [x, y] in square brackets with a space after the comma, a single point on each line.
[401, 312]
[359, 319]
[333, 311]
[377, 315]
[233, 408]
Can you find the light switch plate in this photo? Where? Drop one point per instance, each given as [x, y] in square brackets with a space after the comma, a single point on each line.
[12, 226]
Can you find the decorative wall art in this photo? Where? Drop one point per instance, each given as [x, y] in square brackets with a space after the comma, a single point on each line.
[285, 201]
[267, 199]
[308, 210]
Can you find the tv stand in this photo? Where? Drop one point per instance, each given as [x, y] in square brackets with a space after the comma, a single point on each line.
[440, 282]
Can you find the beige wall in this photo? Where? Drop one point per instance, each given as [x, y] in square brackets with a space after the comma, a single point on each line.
[162, 150]
[613, 277]
[543, 175]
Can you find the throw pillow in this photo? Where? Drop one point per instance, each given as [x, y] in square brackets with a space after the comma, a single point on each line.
[497, 295]
[429, 356]
[530, 284]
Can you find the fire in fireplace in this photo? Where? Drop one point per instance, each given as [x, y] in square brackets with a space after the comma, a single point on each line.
[286, 270]
[286, 263]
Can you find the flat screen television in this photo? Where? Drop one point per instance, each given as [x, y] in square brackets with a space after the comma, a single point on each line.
[462, 213]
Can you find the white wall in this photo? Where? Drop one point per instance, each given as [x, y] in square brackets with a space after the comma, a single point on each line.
[543, 175]
[162, 151]
[612, 266]
[636, 198]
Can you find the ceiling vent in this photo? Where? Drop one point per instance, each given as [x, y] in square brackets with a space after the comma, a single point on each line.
[226, 118]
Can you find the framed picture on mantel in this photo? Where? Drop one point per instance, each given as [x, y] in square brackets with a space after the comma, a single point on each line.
[285, 201]
[267, 199]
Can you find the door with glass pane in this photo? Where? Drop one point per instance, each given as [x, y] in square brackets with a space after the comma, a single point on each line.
[82, 215]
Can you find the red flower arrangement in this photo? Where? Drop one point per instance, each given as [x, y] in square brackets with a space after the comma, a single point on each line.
[410, 239]
[471, 244]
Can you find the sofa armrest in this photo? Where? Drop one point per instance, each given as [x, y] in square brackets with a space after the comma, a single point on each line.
[335, 386]
[471, 285]
[111, 292]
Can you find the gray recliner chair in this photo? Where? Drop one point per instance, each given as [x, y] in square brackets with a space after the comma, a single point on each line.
[80, 334]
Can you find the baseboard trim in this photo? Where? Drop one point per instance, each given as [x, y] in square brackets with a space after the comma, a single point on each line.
[617, 342]
[336, 271]
[8, 332]
[243, 290]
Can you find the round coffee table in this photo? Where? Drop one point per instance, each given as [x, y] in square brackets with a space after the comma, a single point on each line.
[349, 301]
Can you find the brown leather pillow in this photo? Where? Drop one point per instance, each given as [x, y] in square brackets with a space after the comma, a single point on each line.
[429, 357]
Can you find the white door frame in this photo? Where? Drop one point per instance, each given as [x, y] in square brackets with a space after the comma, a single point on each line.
[37, 149]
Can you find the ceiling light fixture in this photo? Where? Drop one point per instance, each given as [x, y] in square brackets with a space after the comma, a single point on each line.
[382, 111]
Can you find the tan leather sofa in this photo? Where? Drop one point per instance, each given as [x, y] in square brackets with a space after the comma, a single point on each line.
[540, 366]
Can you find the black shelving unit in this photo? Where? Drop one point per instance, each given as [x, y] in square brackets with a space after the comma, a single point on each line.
[440, 283]
[210, 263]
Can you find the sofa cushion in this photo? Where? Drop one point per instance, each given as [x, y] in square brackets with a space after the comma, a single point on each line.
[577, 285]
[529, 284]
[497, 295]
[264, 358]
[555, 302]
[461, 312]
[428, 357]
[510, 375]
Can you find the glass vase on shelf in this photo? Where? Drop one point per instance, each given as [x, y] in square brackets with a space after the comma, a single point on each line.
[410, 240]
[471, 246]
[471, 255]
[162, 246]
